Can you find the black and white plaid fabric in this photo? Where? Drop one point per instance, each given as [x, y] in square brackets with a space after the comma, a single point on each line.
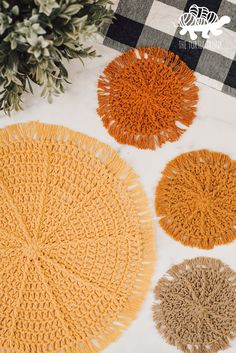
[142, 23]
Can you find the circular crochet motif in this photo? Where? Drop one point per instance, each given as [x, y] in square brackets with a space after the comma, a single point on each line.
[76, 241]
[196, 306]
[196, 199]
[147, 96]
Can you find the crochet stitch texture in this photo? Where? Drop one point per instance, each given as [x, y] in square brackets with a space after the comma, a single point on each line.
[196, 305]
[147, 96]
[76, 241]
[196, 199]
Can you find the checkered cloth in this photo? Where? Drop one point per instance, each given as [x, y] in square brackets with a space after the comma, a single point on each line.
[141, 23]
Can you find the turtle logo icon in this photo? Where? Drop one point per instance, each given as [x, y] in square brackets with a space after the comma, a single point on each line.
[200, 19]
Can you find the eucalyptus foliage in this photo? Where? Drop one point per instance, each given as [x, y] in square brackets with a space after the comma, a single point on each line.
[35, 37]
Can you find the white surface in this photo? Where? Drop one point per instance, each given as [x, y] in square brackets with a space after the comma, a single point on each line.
[163, 17]
[214, 128]
[224, 45]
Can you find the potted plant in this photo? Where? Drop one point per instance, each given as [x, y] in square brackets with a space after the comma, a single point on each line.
[36, 36]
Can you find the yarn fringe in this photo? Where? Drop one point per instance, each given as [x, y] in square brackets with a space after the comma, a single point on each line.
[171, 131]
[187, 160]
[159, 316]
[45, 133]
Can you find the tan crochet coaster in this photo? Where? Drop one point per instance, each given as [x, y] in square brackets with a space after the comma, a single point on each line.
[196, 199]
[196, 305]
[76, 241]
[147, 96]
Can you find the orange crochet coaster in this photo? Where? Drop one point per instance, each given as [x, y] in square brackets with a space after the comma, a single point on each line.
[76, 241]
[196, 199]
[147, 96]
[196, 306]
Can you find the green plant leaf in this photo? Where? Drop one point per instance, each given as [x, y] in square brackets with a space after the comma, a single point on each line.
[73, 9]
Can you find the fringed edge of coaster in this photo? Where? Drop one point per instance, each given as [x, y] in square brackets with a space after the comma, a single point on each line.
[36, 131]
[161, 197]
[189, 94]
[159, 293]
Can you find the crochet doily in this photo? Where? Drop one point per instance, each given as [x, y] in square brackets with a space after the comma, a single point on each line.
[196, 305]
[76, 241]
[196, 199]
[147, 96]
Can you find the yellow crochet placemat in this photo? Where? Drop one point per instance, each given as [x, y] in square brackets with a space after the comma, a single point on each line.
[196, 199]
[147, 96]
[195, 308]
[76, 241]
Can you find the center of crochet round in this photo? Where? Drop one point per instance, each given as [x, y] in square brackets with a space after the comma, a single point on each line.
[31, 250]
[203, 201]
[198, 309]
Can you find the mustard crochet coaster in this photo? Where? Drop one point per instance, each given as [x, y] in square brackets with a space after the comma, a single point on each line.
[77, 247]
[147, 96]
[196, 199]
[196, 306]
